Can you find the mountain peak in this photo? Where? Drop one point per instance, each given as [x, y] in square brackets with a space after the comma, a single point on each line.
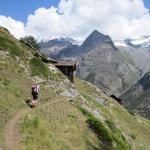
[96, 38]
[96, 33]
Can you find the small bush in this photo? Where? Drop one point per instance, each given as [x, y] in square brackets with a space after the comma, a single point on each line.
[102, 132]
[107, 135]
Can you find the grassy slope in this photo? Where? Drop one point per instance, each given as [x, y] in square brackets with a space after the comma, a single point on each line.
[134, 128]
[12, 80]
[58, 125]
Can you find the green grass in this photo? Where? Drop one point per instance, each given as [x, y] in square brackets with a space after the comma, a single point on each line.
[36, 132]
[41, 69]
[135, 129]
[9, 43]
[13, 92]
[107, 134]
[57, 125]
[38, 67]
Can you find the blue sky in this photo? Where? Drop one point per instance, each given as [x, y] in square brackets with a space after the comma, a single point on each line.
[147, 3]
[20, 9]
[119, 19]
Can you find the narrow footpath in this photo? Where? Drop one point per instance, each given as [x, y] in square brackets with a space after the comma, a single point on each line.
[12, 136]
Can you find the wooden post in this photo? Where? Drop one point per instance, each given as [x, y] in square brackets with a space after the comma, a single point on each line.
[72, 76]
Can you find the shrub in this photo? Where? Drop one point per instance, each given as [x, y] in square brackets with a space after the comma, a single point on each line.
[102, 132]
[31, 40]
[107, 135]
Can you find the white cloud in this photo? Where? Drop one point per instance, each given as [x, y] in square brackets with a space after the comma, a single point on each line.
[77, 18]
[15, 27]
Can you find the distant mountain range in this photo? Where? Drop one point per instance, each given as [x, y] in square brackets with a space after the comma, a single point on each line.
[112, 66]
[143, 42]
[54, 46]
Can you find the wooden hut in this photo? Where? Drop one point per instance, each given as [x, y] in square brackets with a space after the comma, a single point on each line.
[67, 67]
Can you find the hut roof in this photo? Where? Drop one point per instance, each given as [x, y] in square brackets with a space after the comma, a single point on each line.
[65, 63]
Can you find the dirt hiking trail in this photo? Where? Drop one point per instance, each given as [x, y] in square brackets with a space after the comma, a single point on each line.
[12, 137]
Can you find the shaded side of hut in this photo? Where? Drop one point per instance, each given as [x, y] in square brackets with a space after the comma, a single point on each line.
[68, 68]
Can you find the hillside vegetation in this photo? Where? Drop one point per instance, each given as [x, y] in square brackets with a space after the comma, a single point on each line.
[68, 116]
[128, 129]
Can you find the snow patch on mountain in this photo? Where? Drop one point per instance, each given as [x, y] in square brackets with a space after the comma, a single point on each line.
[120, 43]
[143, 42]
[62, 39]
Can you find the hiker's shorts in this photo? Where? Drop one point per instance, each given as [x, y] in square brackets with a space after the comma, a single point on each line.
[35, 95]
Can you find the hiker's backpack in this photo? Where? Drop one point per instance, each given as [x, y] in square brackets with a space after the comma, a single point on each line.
[34, 89]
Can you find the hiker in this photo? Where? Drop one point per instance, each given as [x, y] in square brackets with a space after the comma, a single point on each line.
[35, 93]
